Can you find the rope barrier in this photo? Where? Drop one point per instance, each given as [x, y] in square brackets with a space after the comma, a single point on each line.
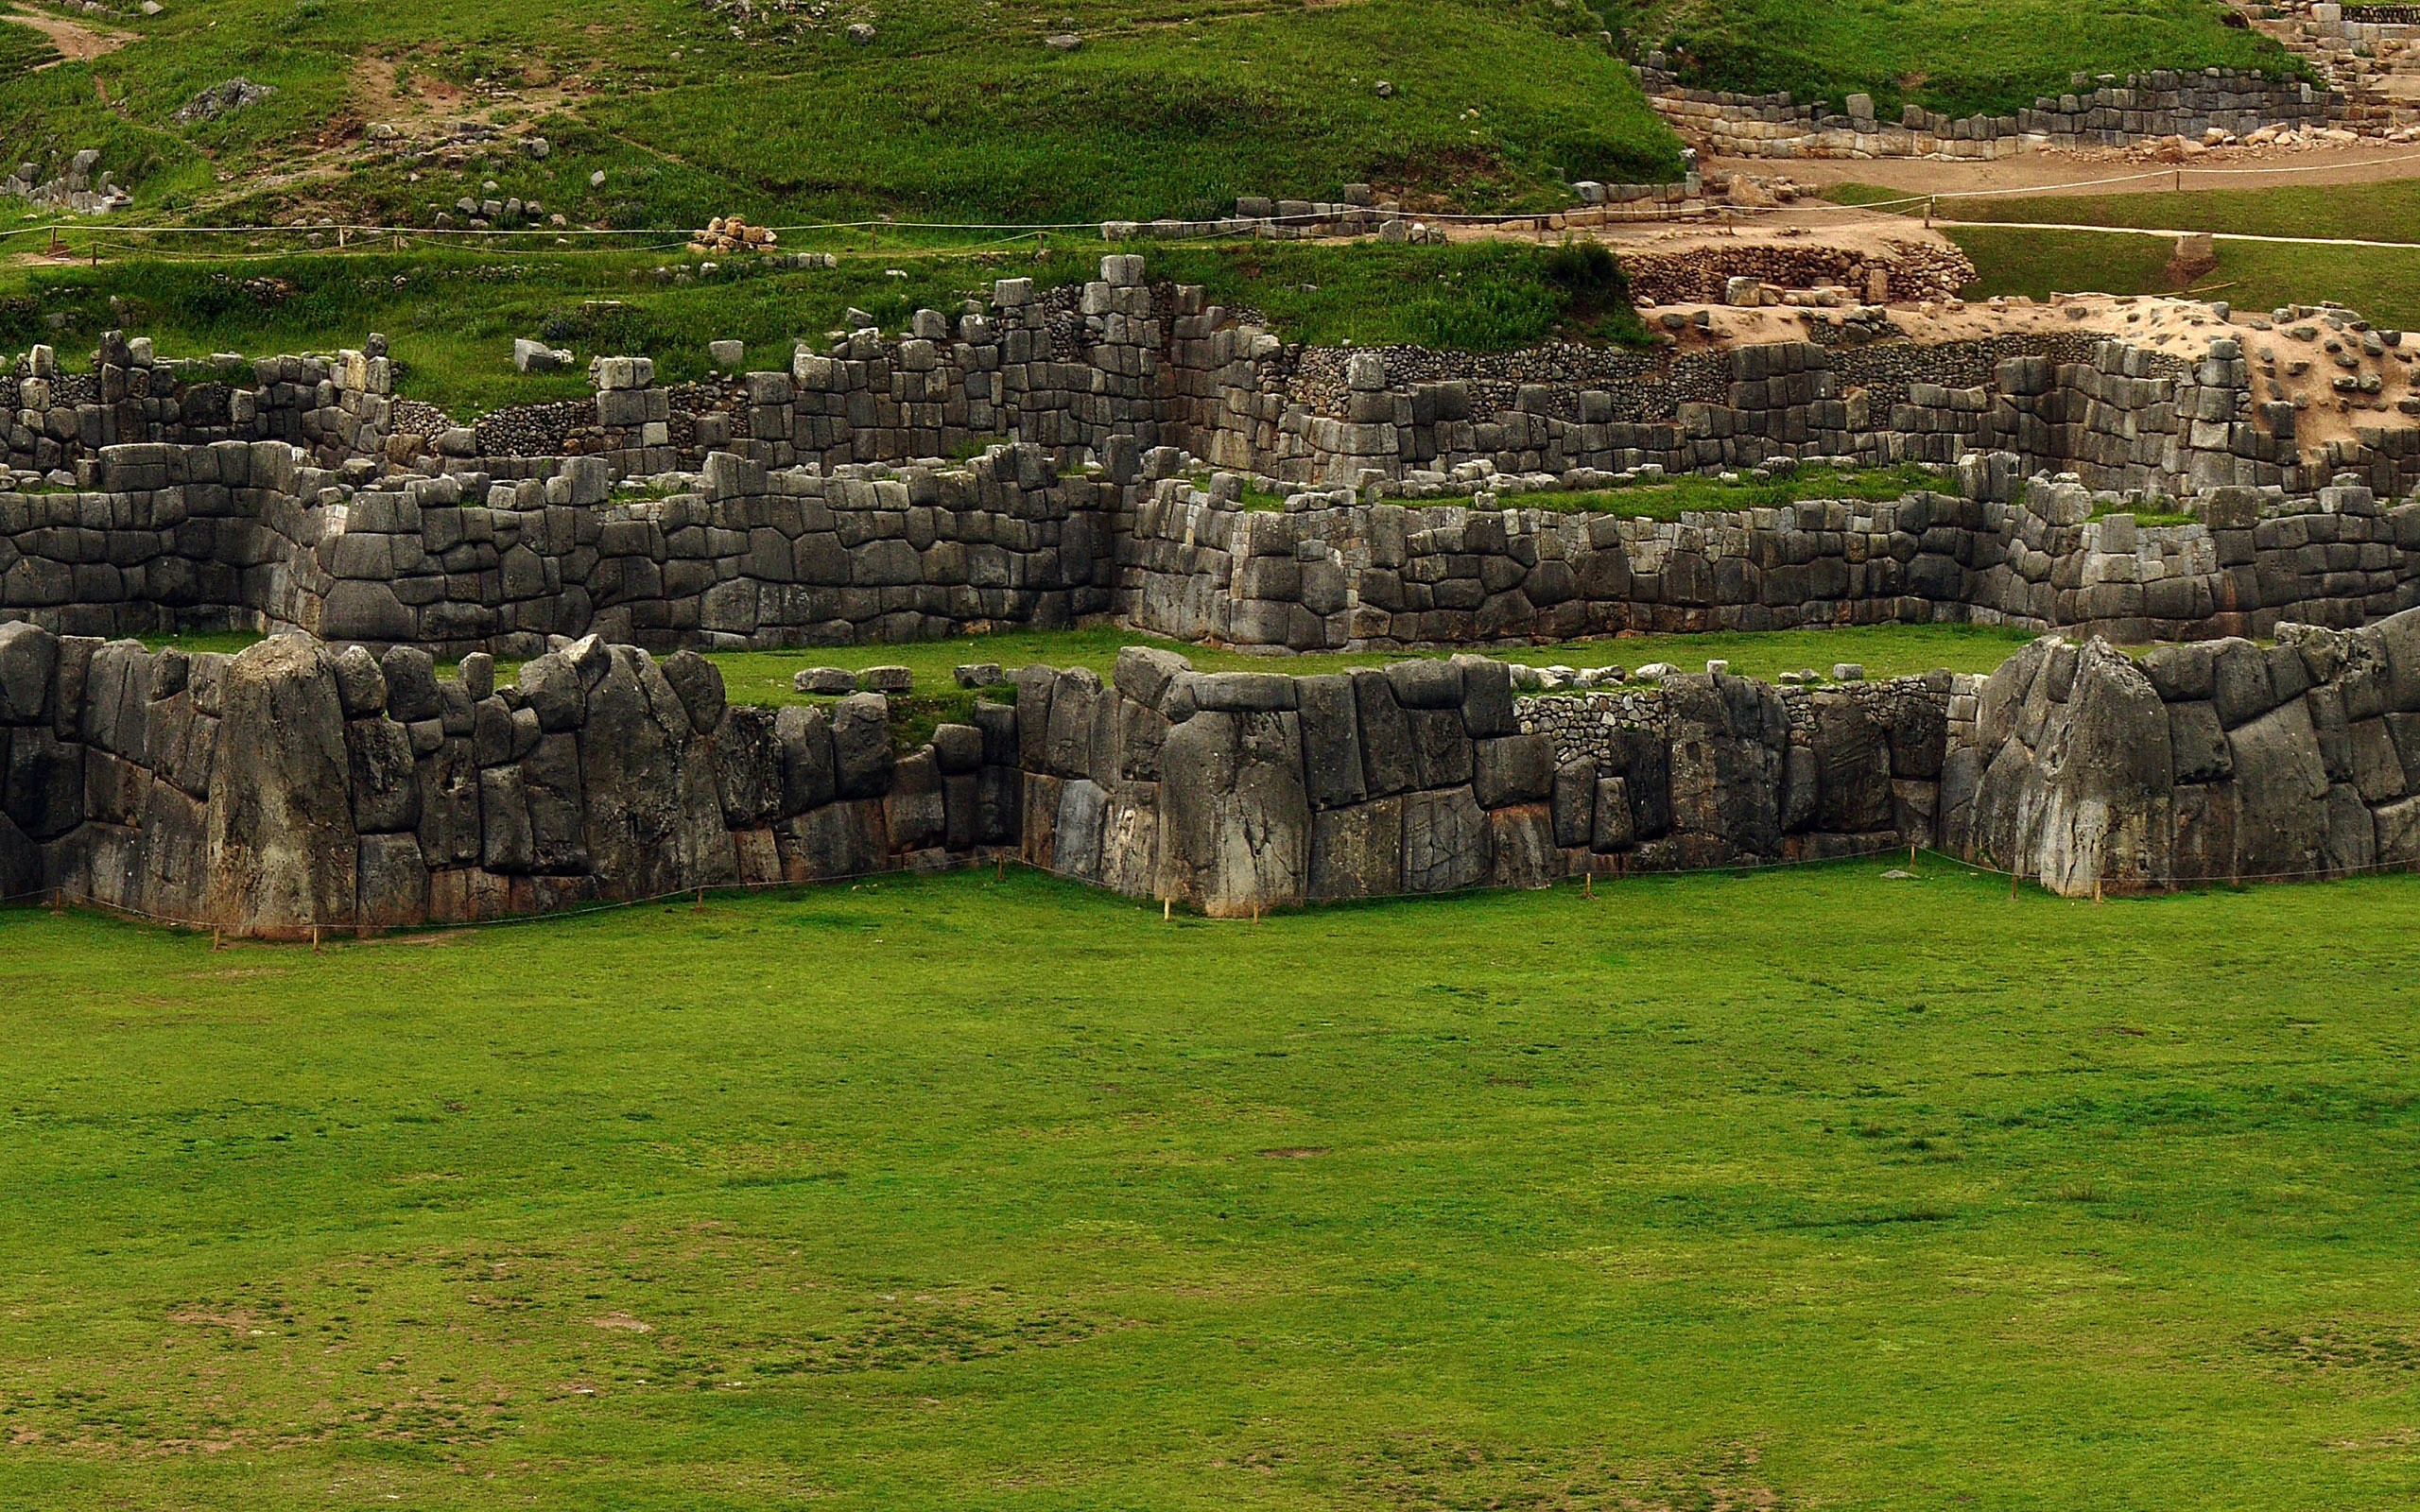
[60, 898]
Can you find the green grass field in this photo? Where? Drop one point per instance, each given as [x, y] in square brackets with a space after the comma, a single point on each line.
[953, 109]
[1795, 1189]
[1959, 56]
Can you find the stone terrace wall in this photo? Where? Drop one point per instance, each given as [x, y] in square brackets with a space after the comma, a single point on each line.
[2102, 110]
[2205, 763]
[294, 787]
[2002, 550]
[1242, 791]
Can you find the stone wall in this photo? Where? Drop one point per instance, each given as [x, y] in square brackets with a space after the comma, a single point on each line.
[2216, 761]
[293, 787]
[2002, 549]
[2099, 110]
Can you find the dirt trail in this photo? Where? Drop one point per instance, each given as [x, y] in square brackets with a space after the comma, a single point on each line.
[76, 43]
[2055, 173]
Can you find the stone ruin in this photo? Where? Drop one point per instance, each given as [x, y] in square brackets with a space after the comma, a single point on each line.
[329, 778]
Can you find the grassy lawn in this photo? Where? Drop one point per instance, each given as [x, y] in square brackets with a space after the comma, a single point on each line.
[1883, 650]
[1697, 492]
[1794, 1189]
[1956, 56]
[952, 109]
[453, 315]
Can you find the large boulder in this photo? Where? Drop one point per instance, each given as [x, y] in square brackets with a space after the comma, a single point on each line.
[282, 851]
[653, 818]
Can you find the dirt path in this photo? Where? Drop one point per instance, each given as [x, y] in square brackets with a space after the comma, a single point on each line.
[2053, 173]
[76, 43]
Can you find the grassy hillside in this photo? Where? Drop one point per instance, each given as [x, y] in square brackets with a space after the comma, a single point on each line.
[1957, 55]
[1800, 1189]
[951, 109]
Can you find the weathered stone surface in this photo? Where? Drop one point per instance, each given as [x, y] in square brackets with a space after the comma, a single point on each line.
[1520, 847]
[1234, 829]
[1332, 768]
[2281, 795]
[653, 821]
[1444, 841]
[1726, 754]
[914, 806]
[1357, 852]
[808, 778]
[697, 683]
[1510, 770]
[393, 882]
[861, 744]
[386, 786]
[1387, 764]
[282, 851]
[28, 663]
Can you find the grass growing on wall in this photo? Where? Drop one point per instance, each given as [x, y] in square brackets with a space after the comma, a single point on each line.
[1805, 1188]
[451, 315]
[1696, 493]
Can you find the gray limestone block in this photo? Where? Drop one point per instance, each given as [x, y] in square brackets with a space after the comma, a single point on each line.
[1235, 822]
[1357, 852]
[1512, 769]
[697, 683]
[1520, 846]
[1035, 687]
[1487, 698]
[386, 784]
[20, 861]
[508, 843]
[1332, 768]
[28, 662]
[2197, 746]
[2377, 765]
[283, 852]
[915, 808]
[891, 679]
[842, 839]
[555, 691]
[957, 749]
[1075, 704]
[827, 682]
[1425, 682]
[1144, 673]
[748, 767]
[1853, 766]
[1441, 748]
[2397, 839]
[1077, 829]
[1612, 826]
[999, 723]
[808, 778]
[551, 781]
[391, 882]
[1574, 784]
[360, 686]
[448, 775]
[1142, 732]
[410, 676]
[861, 757]
[1387, 764]
[2281, 794]
[1444, 841]
[2352, 836]
[652, 818]
[2239, 683]
[1239, 692]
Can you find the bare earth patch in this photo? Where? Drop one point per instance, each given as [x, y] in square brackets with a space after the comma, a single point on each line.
[76, 43]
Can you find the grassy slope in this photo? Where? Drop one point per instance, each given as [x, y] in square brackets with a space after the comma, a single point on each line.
[955, 108]
[960, 1192]
[453, 315]
[1956, 56]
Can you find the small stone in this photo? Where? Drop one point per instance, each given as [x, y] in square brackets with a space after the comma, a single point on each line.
[887, 679]
[1063, 42]
[861, 32]
[828, 681]
[1848, 671]
[726, 356]
[979, 674]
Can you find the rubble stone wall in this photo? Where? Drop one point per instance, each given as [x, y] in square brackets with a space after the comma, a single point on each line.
[2097, 111]
[2002, 549]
